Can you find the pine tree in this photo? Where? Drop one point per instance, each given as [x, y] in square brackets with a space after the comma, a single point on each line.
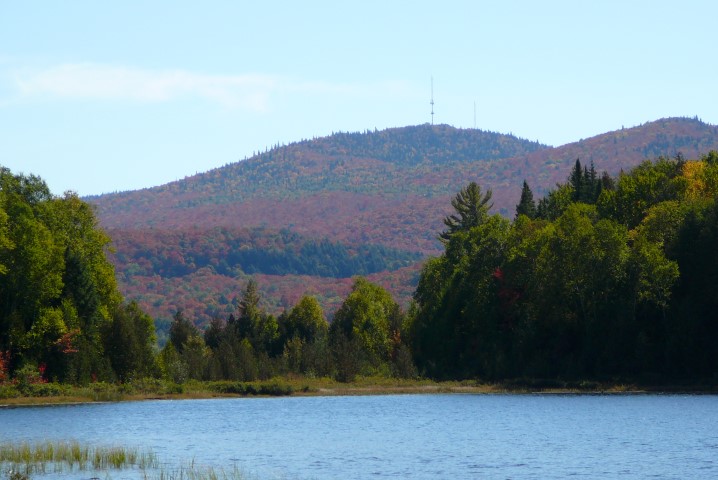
[472, 208]
[576, 180]
[526, 205]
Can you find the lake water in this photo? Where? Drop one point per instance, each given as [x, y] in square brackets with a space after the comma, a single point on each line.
[404, 436]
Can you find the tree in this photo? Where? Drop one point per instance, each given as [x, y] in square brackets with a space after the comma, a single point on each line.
[305, 321]
[5, 243]
[526, 205]
[181, 331]
[555, 203]
[129, 340]
[257, 326]
[365, 316]
[455, 330]
[471, 206]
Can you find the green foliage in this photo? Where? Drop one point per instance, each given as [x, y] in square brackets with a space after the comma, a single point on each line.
[57, 289]
[555, 202]
[305, 321]
[611, 279]
[129, 340]
[456, 300]
[366, 316]
[471, 206]
[526, 205]
[645, 186]
[181, 330]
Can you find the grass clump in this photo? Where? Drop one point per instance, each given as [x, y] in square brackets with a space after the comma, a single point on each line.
[59, 457]
[20, 461]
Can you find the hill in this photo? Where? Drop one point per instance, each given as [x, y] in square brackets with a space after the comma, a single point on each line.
[381, 194]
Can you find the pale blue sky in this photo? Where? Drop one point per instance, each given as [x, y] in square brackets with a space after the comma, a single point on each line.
[102, 96]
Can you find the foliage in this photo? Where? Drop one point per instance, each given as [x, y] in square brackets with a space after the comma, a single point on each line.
[305, 321]
[191, 242]
[471, 206]
[173, 253]
[365, 315]
[58, 295]
[129, 340]
[613, 278]
[526, 205]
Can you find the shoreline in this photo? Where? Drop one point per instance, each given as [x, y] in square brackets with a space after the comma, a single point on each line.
[366, 387]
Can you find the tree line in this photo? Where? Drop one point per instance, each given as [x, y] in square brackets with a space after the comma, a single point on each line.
[603, 278]
[171, 253]
[63, 319]
[365, 337]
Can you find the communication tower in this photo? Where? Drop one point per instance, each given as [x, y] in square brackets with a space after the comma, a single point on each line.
[432, 100]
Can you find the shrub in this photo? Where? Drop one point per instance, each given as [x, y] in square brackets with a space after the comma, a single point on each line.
[27, 375]
[46, 390]
[9, 391]
[275, 389]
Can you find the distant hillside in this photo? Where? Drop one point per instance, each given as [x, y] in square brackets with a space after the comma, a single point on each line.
[384, 192]
[373, 187]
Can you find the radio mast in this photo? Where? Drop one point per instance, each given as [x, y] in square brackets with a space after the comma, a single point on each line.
[432, 100]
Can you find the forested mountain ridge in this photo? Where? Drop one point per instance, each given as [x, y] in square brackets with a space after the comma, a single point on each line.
[339, 186]
[354, 187]
[389, 188]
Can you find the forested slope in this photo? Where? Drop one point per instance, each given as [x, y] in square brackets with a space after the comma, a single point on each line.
[346, 196]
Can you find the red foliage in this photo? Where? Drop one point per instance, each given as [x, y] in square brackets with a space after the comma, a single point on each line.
[65, 341]
[4, 366]
[41, 369]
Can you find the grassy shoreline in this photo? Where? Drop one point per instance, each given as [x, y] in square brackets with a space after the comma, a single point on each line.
[152, 389]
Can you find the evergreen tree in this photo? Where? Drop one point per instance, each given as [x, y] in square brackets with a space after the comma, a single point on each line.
[248, 310]
[181, 331]
[576, 180]
[526, 205]
[472, 207]
[255, 325]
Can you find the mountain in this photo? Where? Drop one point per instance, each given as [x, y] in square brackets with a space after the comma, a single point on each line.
[375, 187]
[305, 217]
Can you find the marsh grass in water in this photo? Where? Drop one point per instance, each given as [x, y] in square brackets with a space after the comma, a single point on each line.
[24, 461]
[193, 472]
[58, 457]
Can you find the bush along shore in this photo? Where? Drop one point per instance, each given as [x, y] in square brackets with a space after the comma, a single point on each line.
[154, 389]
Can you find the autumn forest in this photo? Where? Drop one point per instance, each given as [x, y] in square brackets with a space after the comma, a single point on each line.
[600, 277]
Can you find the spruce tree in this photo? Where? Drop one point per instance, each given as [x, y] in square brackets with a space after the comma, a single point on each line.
[526, 205]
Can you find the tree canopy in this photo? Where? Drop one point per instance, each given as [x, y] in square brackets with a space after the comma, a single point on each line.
[59, 303]
[613, 277]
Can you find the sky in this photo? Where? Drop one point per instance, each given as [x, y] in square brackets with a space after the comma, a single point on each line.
[98, 97]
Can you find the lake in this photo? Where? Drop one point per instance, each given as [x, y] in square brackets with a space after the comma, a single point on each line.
[403, 436]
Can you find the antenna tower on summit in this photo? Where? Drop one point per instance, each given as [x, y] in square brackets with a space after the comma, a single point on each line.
[432, 100]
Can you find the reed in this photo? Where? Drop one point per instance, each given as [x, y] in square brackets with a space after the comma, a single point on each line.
[21, 460]
[193, 472]
[64, 456]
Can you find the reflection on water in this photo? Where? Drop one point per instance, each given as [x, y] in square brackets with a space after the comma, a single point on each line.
[405, 436]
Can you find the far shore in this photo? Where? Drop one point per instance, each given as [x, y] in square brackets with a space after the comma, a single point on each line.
[306, 387]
